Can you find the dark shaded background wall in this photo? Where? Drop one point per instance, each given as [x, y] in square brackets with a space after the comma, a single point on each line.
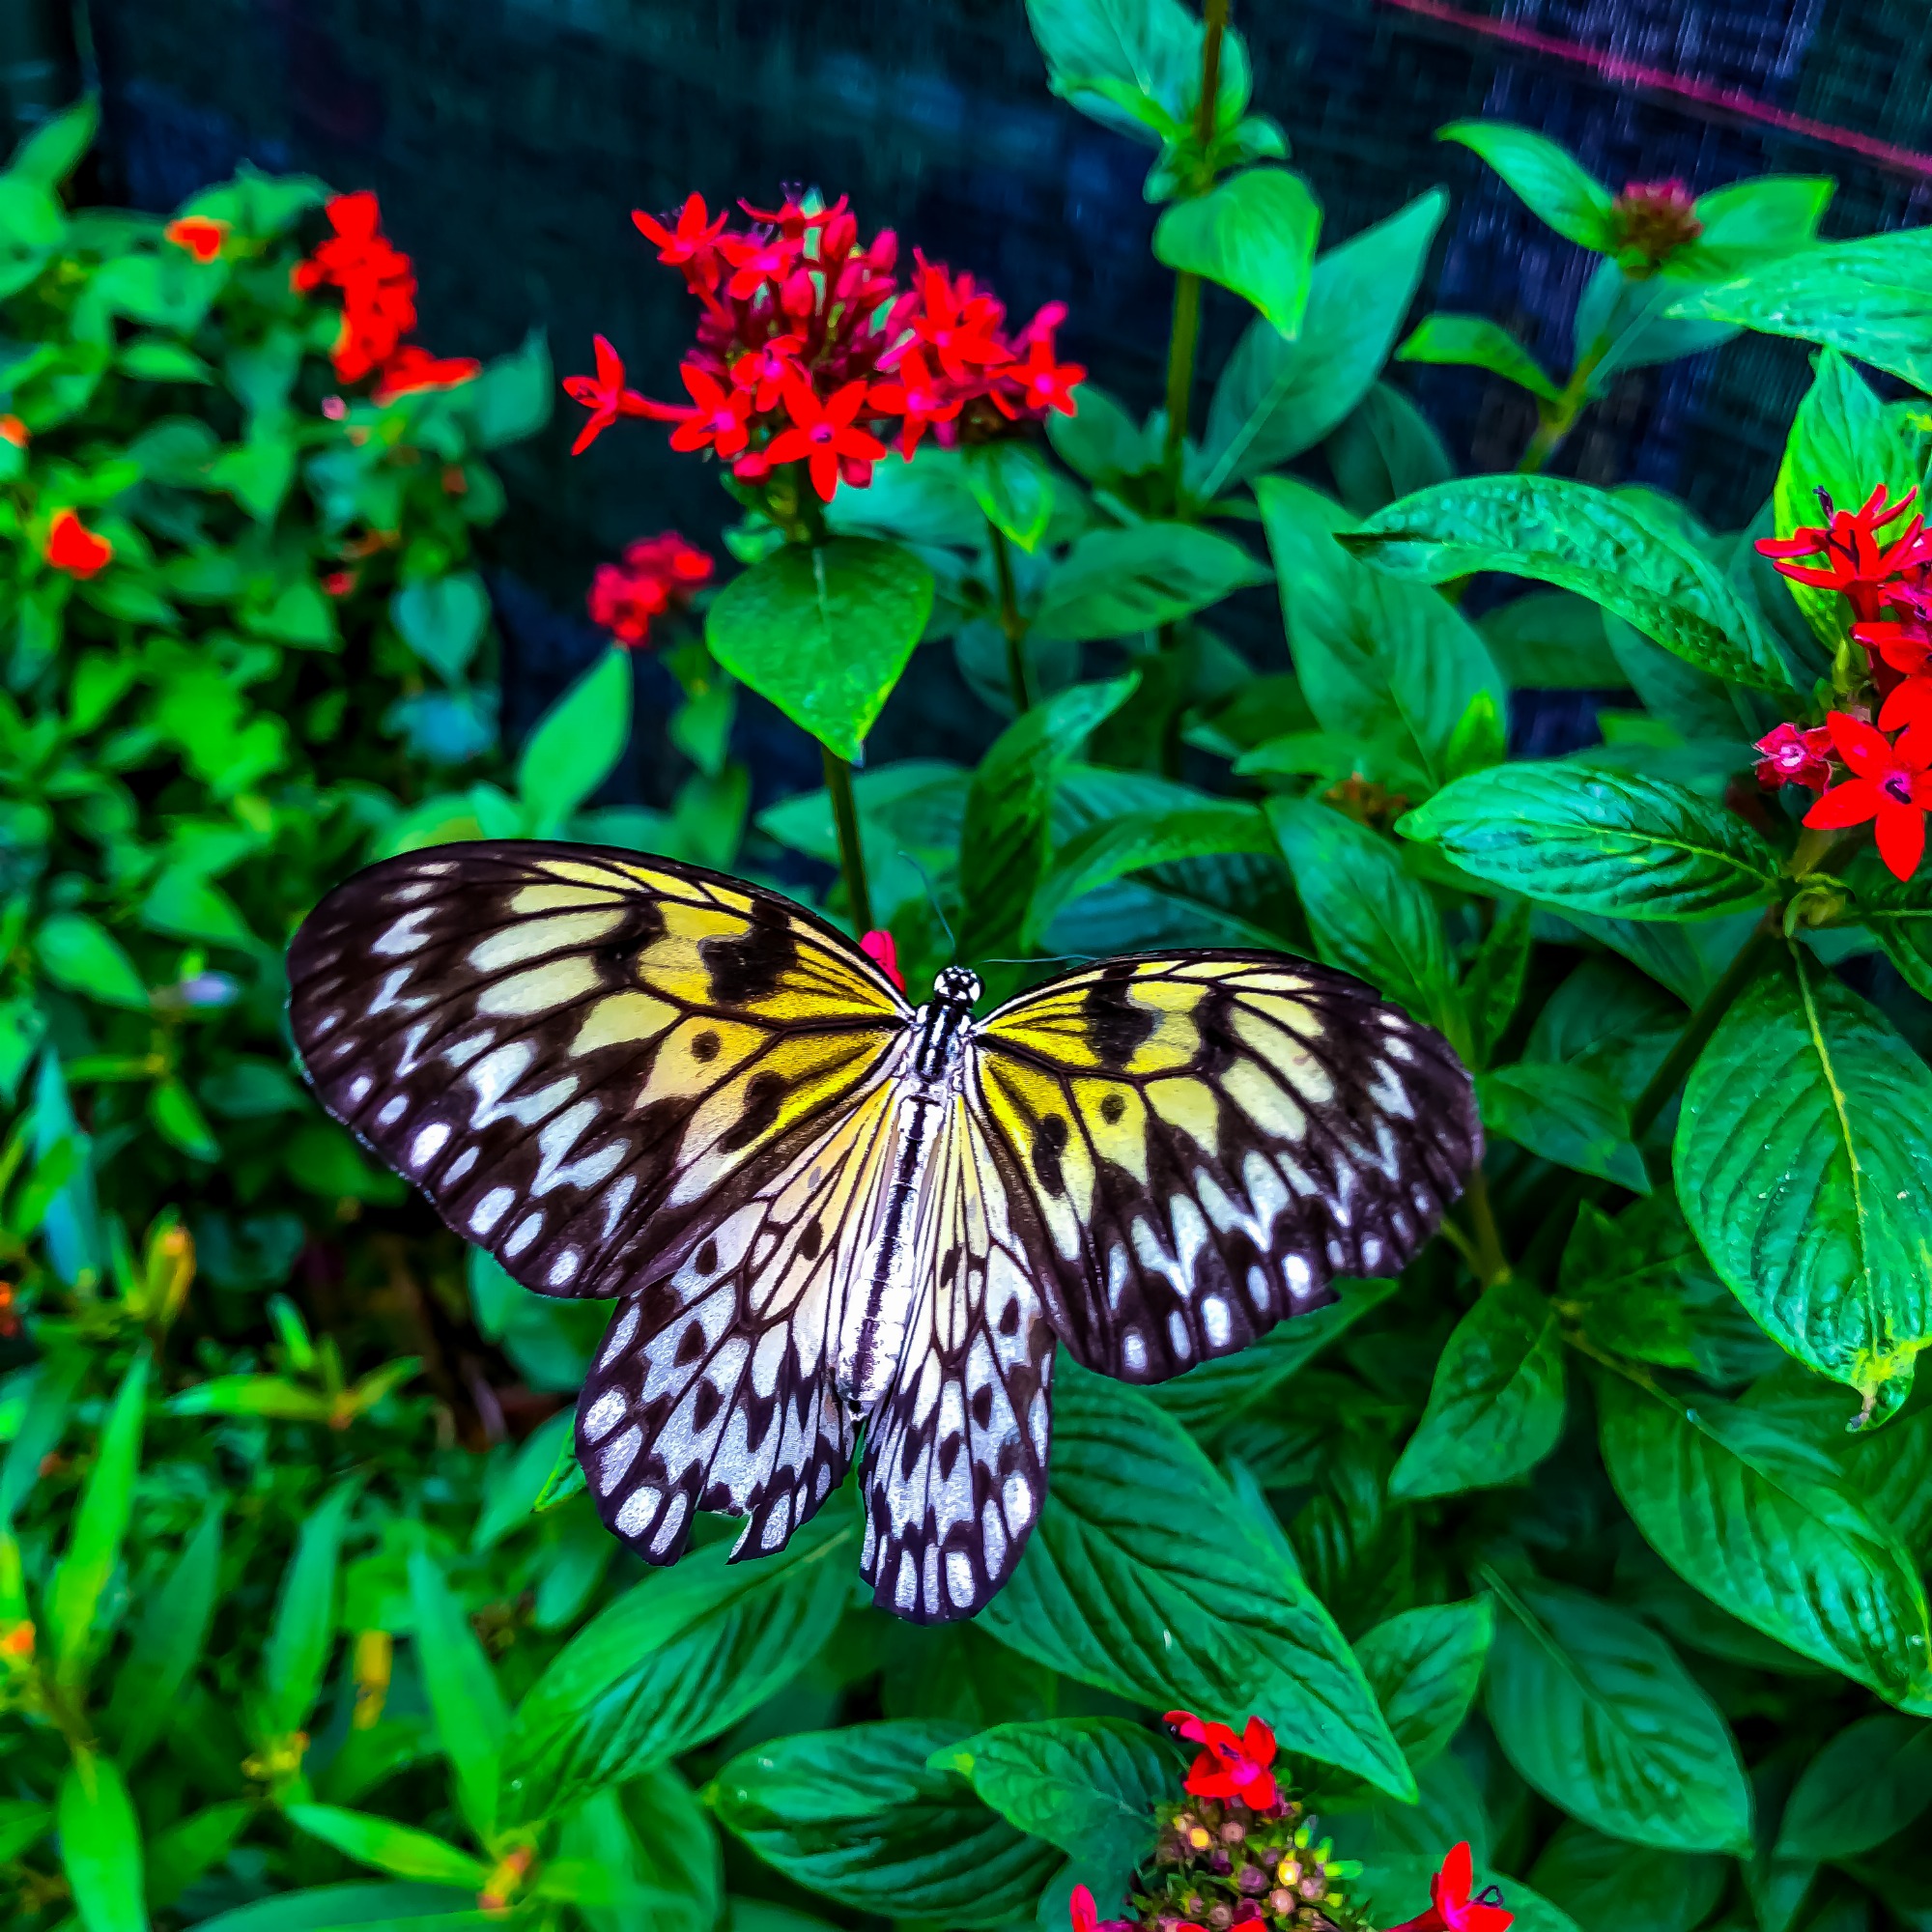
[509, 139]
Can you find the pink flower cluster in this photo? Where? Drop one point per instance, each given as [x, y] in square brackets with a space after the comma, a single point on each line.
[808, 351]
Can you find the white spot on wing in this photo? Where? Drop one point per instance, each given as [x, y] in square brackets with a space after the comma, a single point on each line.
[491, 1210]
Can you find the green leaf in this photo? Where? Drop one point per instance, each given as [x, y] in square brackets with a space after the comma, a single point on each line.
[1597, 1714]
[1618, 549]
[1751, 223]
[1607, 1886]
[675, 1662]
[303, 1631]
[1115, 582]
[1496, 1406]
[100, 1847]
[80, 955]
[577, 744]
[470, 1720]
[1595, 841]
[23, 1823]
[172, 1108]
[513, 398]
[1089, 1785]
[1744, 1510]
[1254, 233]
[1634, 1283]
[1804, 1171]
[513, 1496]
[357, 1908]
[824, 632]
[168, 1643]
[861, 1815]
[1134, 65]
[1099, 442]
[1012, 485]
[100, 1524]
[1871, 299]
[1380, 659]
[184, 1849]
[1565, 1114]
[442, 620]
[1844, 442]
[1004, 845]
[1473, 341]
[1425, 1666]
[1553, 640]
[389, 1847]
[50, 1401]
[1113, 848]
[1868, 1784]
[1276, 398]
[1385, 448]
[1191, 1604]
[1368, 916]
[57, 146]
[1547, 179]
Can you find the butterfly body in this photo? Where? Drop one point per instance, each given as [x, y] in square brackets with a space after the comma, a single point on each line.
[822, 1209]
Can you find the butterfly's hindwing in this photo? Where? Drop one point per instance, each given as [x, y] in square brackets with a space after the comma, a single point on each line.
[954, 1469]
[578, 1055]
[1198, 1142]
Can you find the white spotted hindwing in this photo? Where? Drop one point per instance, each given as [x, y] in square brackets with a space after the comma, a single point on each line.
[573, 1050]
[955, 1473]
[1196, 1143]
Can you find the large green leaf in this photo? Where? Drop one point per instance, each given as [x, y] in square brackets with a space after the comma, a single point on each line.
[862, 1815]
[100, 1846]
[1745, 1511]
[1597, 1714]
[1496, 1407]
[824, 631]
[1844, 442]
[471, 1720]
[1254, 233]
[168, 1643]
[1547, 179]
[1871, 299]
[1426, 1666]
[677, 1659]
[577, 744]
[366, 1907]
[1606, 842]
[1607, 1886]
[1871, 1781]
[443, 619]
[303, 1630]
[400, 1849]
[100, 1524]
[1089, 1785]
[1805, 1171]
[1275, 398]
[79, 953]
[1187, 1604]
[1568, 1115]
[1474, 341]
[1617, 550]
[1114, 582]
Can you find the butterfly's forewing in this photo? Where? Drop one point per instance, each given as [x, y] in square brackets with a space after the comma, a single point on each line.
[1198, 1142]
[584, 1059]
[954, 1472]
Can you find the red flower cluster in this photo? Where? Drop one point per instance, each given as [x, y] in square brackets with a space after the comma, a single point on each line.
[379, 305]
[1888, 585]
[1451, 1909]
[658, 575]
[810, 352]
[73, 547]
[1653, 218]
[1229, 1766]
[199, 234]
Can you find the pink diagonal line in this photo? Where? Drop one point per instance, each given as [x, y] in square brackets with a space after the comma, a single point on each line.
[1614, 68]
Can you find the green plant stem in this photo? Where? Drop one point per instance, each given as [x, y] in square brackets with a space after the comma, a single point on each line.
[851, 853]
[1547, 1239]
[1491, 1264]
[1186, 328]
[1559, 419]
[1012, 623]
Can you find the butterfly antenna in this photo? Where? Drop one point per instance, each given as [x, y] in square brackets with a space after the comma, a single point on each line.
[1047, 959]
[932, 898]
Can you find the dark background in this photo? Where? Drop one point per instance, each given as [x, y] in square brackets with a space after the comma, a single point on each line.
[509, 140]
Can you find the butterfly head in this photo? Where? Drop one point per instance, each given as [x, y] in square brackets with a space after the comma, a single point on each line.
[956, 987]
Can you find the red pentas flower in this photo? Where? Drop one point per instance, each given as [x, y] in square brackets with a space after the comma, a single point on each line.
[1890, 782]
[378, 284]
[658, 575]
[1793, 756]
[73, 547]
[808, 351]
[1855, 561]
[1451, 1909]
[1229, 1766]
[879, 947]
[604, 395]
[413, 368]
[199, 234]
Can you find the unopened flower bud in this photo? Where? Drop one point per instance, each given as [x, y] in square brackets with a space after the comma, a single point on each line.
[1233, 1831]
[1220, 1917]
[1253, 1878]
[1280, 1900]
[1314, 1885]
[1200, 1837]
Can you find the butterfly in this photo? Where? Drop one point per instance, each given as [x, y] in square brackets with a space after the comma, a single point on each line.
[821, 1208]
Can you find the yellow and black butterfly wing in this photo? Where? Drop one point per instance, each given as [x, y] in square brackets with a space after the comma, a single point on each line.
[1197, 1142]
[954, 1472]
[585, 1058]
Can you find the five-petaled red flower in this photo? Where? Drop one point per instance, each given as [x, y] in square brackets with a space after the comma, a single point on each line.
[955, 324]
[917, 397]
[716, 418]
[1451, 1909]
[1042, 382]
[879, 947]
[757, 260]
[1790, 755]
[413, 367]
[691, 245]
[1855, 561]
[1229, 1766]
[1889, 783]
[657, 575]
[821, 433]
[604, 395]
[73, 547]
[199, 234]
[766, 369]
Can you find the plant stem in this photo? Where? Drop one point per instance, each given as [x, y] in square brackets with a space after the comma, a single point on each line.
[1187, 329]
[1010, 621]
[1560, 416]
[1491, 1263]
[851, 853]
